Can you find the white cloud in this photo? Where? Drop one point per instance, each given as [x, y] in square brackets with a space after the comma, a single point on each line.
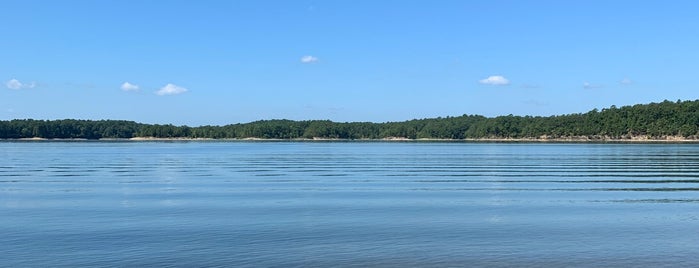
[16, 84]
[308, 59]
[171, 89]
[587, 85]
[495, 80]
[126, 86]
[626, 81]
[13, 84]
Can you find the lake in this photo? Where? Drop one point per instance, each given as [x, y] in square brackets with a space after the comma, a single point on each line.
[348, 204]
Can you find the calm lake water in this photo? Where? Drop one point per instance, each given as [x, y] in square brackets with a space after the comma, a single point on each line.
[339, 204]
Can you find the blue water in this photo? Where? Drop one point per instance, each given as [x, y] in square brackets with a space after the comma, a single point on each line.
[348, 204]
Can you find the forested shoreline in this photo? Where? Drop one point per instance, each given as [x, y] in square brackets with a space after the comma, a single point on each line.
[652, 121]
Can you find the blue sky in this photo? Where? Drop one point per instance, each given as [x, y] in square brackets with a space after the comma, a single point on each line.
[221, 62]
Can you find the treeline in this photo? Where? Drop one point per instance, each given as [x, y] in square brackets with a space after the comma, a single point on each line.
[655, 120]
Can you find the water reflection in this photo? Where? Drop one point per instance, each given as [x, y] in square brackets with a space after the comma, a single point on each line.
[348, 204]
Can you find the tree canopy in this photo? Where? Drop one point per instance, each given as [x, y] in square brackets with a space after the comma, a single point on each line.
[654, 120]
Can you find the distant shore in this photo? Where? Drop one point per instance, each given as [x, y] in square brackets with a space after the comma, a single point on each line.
[577, 139]
[662, 122]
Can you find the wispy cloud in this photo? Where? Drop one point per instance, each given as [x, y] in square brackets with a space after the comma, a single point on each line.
[530, 86]
[626, 81]
[309, 59]
[495, 80]
[16, 84]
[126, 86]
[171, 89]
[588, 85]
[537, 103]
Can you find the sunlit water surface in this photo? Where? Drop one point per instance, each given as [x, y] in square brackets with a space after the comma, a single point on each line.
[341, 204]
